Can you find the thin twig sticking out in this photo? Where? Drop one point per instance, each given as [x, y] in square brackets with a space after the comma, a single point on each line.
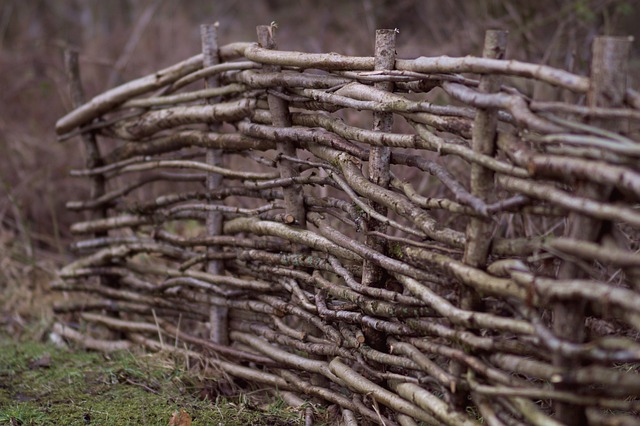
[609, 66]
[134, 39]
[218, 314]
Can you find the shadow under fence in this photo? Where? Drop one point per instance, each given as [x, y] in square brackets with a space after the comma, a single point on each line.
[328, 226]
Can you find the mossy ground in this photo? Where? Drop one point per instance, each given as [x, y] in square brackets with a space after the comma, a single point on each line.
[41, 384]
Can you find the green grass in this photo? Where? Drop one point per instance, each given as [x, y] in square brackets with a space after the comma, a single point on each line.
[44, 385]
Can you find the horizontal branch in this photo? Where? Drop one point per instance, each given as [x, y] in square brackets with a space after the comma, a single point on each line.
[468, 319]
[231, 142]
[326, 61]
[566, 200]
[289, 233]
[116, 96]
[157, 101]
[388, 398]
[470, 64]
[154, 121]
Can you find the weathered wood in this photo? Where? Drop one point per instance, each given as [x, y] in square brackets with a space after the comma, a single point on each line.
[380, 157]
[349, 276]
[379, 173]
[218, 319]
[607, 88]
[280, 117]
[106, 101]
[479, 232]
[89, 140]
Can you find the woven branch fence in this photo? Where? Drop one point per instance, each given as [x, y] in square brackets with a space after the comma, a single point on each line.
[414, 241]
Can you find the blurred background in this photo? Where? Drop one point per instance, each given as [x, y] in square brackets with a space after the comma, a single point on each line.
[123, 39]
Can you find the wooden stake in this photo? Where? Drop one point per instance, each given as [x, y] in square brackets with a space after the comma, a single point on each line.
[380, 156]
[480, 230]
[218, 315]
[379, 160]
[294, 194]
[607, 88]
[92, 149]
[279, 108]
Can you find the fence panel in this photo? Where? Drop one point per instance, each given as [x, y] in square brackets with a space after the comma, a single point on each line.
[408, 239]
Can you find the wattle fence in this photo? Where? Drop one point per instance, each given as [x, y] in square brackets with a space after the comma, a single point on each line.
[410, 240]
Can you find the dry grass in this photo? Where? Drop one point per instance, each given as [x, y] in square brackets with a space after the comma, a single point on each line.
[26, 310]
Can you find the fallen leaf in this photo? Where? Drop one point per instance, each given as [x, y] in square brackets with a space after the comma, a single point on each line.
[181, 418]
[43, 362]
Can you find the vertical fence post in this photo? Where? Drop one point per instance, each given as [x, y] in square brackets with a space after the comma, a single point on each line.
[479, 231]
[295, 212]
[607, 87]
[89, 140]
[379, 156]
[92, 148]
[218, 315]
[279, 108]
[379, 159]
